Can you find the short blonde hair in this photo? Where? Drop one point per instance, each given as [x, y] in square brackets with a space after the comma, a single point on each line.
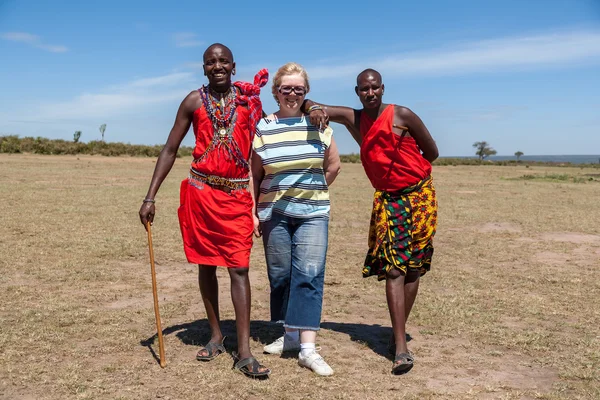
[290, 68]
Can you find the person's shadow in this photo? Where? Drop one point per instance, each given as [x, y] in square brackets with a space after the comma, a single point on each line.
[197, 333]
[376, 337]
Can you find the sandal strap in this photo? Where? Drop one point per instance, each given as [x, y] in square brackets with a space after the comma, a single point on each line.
[246, 362]
[212, 347]
[249, 366]
[404, 357]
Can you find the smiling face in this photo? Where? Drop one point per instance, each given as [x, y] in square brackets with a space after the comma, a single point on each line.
[218, 64]
[369, 89]
[289, 94]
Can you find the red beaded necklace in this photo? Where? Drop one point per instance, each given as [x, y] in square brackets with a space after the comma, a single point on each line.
[220, 112]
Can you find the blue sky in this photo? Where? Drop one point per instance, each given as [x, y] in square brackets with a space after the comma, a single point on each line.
[522, 75]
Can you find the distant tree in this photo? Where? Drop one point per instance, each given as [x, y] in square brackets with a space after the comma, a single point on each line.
[76, 136]
[102, 129]
[483, 150]
[518, 154]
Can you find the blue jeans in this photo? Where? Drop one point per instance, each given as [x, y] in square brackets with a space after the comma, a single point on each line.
[295, 249]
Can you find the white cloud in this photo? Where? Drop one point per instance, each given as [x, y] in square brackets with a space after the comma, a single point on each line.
[194, 65]
[482, 56]
[21, 37]
[164, 80]
[89, 105]
[186, 39]
[120, 99]
[33, 40]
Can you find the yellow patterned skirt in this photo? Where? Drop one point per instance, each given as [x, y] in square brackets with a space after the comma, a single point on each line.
[401, 232]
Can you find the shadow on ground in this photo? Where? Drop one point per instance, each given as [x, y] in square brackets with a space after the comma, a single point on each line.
[376, 337]
[197, 333]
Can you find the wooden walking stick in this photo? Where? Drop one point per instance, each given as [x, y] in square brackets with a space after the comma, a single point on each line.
[161, 344]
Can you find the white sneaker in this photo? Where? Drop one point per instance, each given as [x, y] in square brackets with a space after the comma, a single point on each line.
[315, 362]
[281, 345]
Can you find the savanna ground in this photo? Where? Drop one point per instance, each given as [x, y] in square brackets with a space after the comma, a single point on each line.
[510, 309]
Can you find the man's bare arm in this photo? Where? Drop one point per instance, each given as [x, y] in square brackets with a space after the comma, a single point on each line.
[167, 156]
[342, 115]
[418, 131]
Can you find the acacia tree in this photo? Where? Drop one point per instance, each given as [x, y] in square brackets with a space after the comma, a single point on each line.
[518, 154]
[76, 136]
[483, 150]
[102, 129]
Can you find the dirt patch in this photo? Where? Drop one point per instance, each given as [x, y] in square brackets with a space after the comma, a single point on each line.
[492, 227]
[551, 257]
[571, 237]
[509, 372]
[130, 303]
[586, 252]
[467, 366]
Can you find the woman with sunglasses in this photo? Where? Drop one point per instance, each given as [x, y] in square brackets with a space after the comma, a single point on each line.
[293, 164]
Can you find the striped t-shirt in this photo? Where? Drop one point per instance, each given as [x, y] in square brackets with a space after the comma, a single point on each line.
[292, 152]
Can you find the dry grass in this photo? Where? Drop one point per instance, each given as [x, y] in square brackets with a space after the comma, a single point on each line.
[510, 309]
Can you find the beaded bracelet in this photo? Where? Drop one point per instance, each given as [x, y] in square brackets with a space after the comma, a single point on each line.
[314, 107]
[149, 201]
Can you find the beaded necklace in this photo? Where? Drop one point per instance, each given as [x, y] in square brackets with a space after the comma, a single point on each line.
[220, 112]
[223, 116]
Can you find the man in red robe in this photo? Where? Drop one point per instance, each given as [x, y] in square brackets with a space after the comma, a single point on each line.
[396, 151]
[215, 212]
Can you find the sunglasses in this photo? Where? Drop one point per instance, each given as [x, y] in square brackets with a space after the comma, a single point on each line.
[298, 90]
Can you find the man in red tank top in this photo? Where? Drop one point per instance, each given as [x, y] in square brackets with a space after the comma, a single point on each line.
[396, 151]
[216, 203]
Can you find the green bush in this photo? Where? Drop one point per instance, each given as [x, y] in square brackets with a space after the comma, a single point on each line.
[10, 144]
[350, 158]
[185, 151]
[554, 178]
[40, 145]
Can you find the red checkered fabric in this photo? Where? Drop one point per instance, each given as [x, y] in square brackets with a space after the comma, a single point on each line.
[250, 96]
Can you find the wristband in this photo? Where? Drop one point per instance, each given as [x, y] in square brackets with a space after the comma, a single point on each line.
[149, 201]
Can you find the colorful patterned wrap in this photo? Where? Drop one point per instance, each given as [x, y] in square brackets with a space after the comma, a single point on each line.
[401, 231]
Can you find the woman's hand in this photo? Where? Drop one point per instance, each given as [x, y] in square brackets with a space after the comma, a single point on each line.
[257, 230]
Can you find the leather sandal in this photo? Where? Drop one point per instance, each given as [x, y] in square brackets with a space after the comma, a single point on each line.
[213, 349]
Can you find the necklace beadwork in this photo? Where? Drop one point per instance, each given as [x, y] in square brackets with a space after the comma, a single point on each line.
[221, 111]
[223, 115]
